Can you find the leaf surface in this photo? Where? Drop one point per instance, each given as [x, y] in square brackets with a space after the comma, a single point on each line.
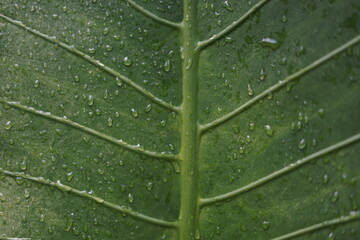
[94, 119]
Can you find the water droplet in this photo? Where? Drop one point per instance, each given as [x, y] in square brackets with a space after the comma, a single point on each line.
[302, 144]
[163, 123]
[268, 130]
[90, 100]
[241, 150]
[250, 90]
[301, 51]
[262, 74]
[130, 198]
[335, 197]
[36, 83]
[127, 62]
[27, 193]
[69, 176]
[148, 108]
[171, 147]
[119, 82]
[92, 50]
[134, 113]
[109, 122]
[8, 125]
[269, 42]
[325, 179]
[251, 126]
[321, 112]
[331, 236]
[108, 48]
[23, 165]
[68, 225]
[2, 197]
[149, 186]
[167, 66]
[265, 225]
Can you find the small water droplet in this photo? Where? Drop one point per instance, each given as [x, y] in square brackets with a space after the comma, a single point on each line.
[27, 193]
[148, 108]
[36, 83]
[335, 197]
[8, 125]
[251, 126]
[69, 176]
[265, 225]
[171, 147]
[321, 112]
[130, 198]
[127, 62]
[250, 91]
[68, 225]
[134, 113]
[90, 100]
[325, 179]
[108, 48]
[149, 186]
[92, 50]
[269, 42]
[119, 82]
[23, 165]
[163, 123]
[268, 130]
[302, 144]
[262, 74]
[109, 122]
[167, 65]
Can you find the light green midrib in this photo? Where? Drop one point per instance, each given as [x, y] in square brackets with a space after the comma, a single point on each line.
[190, 135]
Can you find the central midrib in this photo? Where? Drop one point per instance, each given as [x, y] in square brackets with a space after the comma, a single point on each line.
[190, 135]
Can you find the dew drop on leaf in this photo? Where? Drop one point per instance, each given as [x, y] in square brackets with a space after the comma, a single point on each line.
[269, 42]
[335, 197]
[8, 125]
[268, 130]
[251, 126]
[36, 83]
[250, 91]
[265, 225]
[134, 112]
[127, 62]
[302, 144]
[321, 112]
[69, 176]
[167, 66]
[23, 165]
[109, 122]
[130, 198]
[262, 74]
[148, 108]
[90, 100]
[2, 197]
[325, 179]
[108, 48]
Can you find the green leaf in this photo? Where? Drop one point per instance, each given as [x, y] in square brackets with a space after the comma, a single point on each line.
[180, 120]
